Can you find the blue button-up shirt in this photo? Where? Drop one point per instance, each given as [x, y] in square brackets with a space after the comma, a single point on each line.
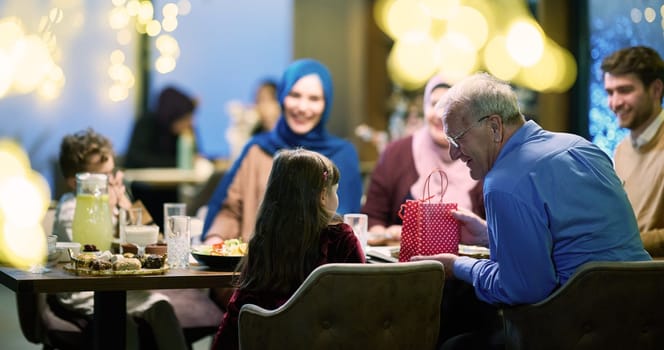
[553, 202]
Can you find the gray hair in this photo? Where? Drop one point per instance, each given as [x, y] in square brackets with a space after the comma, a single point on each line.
[479, 95]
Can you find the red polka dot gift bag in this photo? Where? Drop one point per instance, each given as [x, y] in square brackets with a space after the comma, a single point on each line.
[428, 226]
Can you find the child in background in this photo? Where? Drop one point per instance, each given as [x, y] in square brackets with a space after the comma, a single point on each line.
[297, 230]
[88, 151]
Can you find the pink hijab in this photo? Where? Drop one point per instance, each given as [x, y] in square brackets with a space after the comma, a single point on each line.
[429, 156]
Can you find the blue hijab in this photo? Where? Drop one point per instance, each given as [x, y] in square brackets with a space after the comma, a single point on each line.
[340, 151]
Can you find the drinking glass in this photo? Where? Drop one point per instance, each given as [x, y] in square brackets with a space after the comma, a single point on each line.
[359, 224]
[178, 241]
[51, 256]
[171, 209]
[141, 236]
[131, 217]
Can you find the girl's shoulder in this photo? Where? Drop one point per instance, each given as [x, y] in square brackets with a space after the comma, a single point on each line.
[337, 230]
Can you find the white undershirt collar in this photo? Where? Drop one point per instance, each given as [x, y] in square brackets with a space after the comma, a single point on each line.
[649, 132]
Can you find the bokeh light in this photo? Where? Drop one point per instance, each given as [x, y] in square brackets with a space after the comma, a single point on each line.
[415, 59]
[167, 45]
[145, 12]
[11, 30]
[404, 16]
[118, 92]
[153, 28]
[525, 42]
[119, 18]
[27, 61]
[650, 14]
[458, 57]
[124, 36]
[117, 57]
[165, 64]
[184, 7]
[24, 198]
[169, 24]
[501, 37]
[133, 16]
[440, 9]
[170, 10]
[32, 62]
[380, 11]
[472, 24]
[498, 61]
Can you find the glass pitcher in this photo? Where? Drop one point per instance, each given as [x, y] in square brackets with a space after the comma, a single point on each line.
[92, 218]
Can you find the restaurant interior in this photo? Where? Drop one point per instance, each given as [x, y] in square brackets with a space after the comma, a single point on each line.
[66, 65]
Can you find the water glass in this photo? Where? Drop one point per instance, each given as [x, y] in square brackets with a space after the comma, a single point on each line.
[171, 209]
[178, 240]
[51, 250]
[359, 224]
[51, 256]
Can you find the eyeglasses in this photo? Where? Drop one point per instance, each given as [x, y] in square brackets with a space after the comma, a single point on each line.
[454, 140]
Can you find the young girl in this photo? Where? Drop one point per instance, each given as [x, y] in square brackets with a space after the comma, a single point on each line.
[296, 231]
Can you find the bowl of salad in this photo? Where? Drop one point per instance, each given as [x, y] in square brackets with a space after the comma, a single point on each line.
[224, 255]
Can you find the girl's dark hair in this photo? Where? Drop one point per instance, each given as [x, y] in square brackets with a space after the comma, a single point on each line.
[285, 246]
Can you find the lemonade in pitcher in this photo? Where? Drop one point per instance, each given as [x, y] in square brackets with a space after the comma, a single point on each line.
[92, 218]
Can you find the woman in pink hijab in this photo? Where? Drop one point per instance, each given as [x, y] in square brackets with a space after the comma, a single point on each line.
[404, 166]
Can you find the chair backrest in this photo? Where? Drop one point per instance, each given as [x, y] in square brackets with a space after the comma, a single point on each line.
[353, 306]
[605, 305]
[40, 325]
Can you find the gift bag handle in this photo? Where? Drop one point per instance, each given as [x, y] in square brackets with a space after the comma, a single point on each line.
[426, 193]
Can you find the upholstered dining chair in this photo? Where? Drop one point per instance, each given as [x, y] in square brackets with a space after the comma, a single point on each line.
[605, 305]
[353, 306]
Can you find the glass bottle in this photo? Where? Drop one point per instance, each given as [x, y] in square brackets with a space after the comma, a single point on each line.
[185, 150]
[92, 218]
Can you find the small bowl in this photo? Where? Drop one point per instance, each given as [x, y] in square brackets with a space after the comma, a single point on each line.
[62, 250]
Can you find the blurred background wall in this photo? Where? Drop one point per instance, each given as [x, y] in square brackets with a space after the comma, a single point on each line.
[225, 48]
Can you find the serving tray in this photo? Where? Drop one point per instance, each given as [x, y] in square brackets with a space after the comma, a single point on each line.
[88, 272]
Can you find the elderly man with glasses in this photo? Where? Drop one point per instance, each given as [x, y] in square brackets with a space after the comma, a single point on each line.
[553, 201]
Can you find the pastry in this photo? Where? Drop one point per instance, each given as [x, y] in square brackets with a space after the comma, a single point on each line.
[153, 261]
[127, 264]
[84, 260]
[100, 265]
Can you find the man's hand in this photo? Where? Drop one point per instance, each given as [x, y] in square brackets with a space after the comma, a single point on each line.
[445, 258]
[473, 228]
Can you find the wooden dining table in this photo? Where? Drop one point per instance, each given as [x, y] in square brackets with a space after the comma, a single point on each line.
[110, 292]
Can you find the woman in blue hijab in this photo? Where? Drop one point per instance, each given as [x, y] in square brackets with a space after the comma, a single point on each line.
[305, 94]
